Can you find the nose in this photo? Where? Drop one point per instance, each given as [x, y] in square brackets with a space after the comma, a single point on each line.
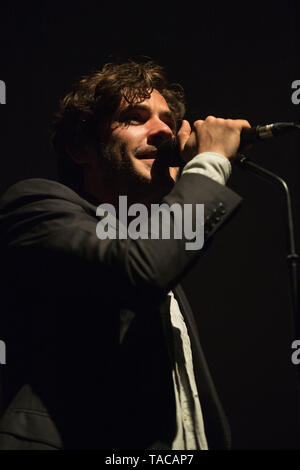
[159, 131]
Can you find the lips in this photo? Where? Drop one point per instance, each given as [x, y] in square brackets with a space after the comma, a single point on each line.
[146, 156]
[149, 156]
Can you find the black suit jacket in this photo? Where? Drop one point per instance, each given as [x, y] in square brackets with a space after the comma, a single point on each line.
[69, 381]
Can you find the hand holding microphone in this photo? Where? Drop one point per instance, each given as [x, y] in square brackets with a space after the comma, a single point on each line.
[178, 151]
[211, 135]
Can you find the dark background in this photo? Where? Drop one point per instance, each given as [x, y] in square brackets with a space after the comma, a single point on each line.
[234, 60]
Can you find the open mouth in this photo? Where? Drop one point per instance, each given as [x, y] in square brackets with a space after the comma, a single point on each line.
[148, 161]
[147, 156]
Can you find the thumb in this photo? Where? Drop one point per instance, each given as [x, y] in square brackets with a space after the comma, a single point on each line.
[183, 134]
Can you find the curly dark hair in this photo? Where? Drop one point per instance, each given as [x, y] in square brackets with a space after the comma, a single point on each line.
[95, 98]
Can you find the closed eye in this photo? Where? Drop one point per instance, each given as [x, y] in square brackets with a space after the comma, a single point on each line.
[132, 118]
[139, 114]
[135, 118]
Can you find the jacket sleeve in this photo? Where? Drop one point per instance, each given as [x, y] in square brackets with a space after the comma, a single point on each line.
[49, 242]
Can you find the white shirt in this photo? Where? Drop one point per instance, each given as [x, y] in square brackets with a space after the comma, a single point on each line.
[190, 426]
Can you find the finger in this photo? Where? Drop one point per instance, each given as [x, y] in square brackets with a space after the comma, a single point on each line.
[198, 123]
[242, 123]
[183, 133]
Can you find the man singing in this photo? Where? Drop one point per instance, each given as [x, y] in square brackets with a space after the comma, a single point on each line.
[102, 347]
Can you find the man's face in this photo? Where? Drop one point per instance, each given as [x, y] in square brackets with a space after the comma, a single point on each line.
[128, 158]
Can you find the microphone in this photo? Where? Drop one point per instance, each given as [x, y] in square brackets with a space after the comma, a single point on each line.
[169, 150]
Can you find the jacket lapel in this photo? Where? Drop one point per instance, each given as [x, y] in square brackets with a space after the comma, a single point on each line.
[215, 422]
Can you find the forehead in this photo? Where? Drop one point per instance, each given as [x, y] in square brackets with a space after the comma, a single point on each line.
[156, 103]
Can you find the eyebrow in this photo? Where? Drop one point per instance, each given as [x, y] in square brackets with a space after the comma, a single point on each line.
[144, 107]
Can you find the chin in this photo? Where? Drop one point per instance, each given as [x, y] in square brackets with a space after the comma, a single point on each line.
[151, 184]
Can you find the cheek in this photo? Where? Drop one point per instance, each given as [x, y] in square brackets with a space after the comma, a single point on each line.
[117, 146]
[131, 137]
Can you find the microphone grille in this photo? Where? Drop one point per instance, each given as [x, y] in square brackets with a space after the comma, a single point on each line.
[169, 152]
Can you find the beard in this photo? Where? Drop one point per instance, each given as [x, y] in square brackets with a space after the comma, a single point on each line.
[123, 177]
